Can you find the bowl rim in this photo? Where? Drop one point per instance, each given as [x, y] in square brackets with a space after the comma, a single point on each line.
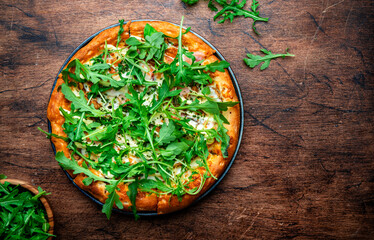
[241, 126]
[42, 199]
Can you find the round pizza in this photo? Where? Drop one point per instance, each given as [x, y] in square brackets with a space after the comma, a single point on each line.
[144, 117]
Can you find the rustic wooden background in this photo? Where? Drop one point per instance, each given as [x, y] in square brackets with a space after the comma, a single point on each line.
[305, 168]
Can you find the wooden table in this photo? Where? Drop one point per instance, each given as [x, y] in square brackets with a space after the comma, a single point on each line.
[305, 167]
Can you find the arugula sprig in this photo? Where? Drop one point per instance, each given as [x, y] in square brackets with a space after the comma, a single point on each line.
[254, 60]
[182, 73]
[233, 8]
[22, 216]
[121, 139]
[153, 47]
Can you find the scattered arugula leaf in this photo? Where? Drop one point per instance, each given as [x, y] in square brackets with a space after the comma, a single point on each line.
[254, 60]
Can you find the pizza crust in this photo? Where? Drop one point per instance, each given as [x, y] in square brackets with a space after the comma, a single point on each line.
[146, 201]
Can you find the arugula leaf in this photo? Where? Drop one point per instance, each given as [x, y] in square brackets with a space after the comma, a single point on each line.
[223, 106]
[254, 60]
[212, 6]
[232, 9]
[149, 30]
[113, 198]
[22, 215]
[109, 140]
[223, 137]
[208, 106]
[131, 193]
[174, 149]
[190, 2]
[153, 47]
[49, 135]
[147, 185]
[120, 31]
[84, 73]
[163, 93]
[80, 102]
[217, 66]
[68, 164]
[167, 134]
[133, 41]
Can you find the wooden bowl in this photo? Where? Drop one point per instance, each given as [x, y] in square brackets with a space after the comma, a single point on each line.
[35, 191]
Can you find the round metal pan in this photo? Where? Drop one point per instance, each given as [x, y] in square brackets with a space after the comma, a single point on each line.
[238, 93]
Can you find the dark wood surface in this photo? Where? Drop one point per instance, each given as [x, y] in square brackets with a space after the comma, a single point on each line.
[305, 167]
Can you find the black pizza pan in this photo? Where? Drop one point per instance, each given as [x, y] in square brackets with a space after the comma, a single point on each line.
[238, 93]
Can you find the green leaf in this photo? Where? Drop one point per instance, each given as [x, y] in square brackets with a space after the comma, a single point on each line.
[132, 41]
[163, 93]
[80, 102]
[120, 31]
[254, 60]
[2, 176]
[232, 9]
[68, 164]
[131, 193]
[174, 149]
[208, 106]
[190, 2]
[224, 137]
[148, 185]
[217, 66]
[223, 106]
[212, 6]
[149, 30]
[22, 215]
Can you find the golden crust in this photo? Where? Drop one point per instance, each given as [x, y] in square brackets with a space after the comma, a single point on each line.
[222, 81]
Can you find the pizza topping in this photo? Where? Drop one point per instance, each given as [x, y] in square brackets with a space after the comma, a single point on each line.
[141, 120]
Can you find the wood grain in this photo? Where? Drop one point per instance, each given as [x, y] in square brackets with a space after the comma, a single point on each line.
[305, 169]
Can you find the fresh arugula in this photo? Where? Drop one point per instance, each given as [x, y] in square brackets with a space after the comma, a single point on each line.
[167, 134]
[131, 193]
[22, 215]
[233, 8]
[254, 60]
[113, 198]
[120, 31]
[85, 73]
[163, 93]
[68, 164]
[190, 2]
[49, 135]
[80, 103]
[153, 46]
[208, 106]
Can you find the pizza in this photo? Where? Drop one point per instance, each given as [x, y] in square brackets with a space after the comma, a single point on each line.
[144, 117]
